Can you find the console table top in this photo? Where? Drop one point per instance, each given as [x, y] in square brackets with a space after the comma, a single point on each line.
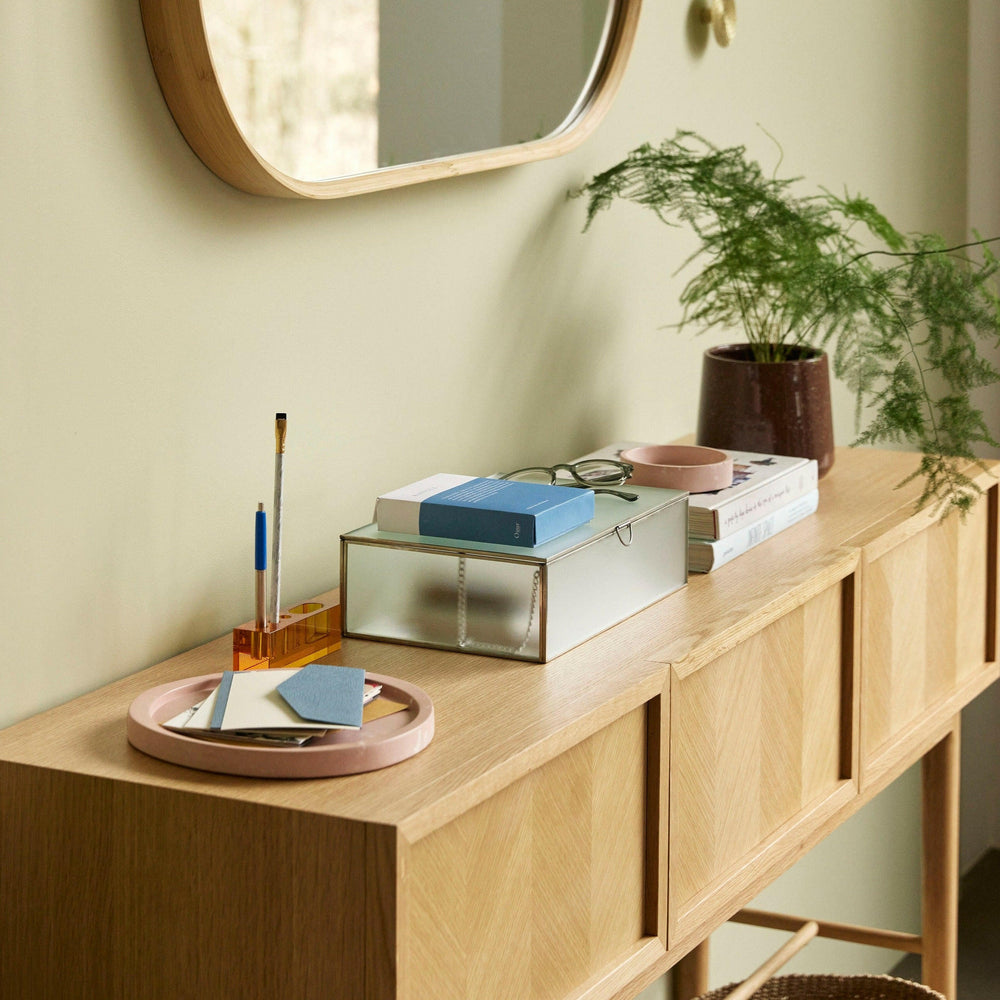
[499, 719]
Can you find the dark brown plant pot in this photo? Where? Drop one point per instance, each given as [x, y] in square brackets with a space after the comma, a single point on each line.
[777, 407]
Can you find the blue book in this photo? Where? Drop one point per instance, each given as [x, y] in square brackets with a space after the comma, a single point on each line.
[472, 509]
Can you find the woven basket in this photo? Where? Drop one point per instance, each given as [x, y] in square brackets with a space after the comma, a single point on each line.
[834, 988]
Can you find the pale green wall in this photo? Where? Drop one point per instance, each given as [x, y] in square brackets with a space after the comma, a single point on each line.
[981, 733]
[154, 319]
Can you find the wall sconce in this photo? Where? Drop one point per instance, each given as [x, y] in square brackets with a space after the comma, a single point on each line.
[721, 15]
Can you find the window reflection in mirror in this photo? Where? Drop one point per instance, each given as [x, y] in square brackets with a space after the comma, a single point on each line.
[332, 88]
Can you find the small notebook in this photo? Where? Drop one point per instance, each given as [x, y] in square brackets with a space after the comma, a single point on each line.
[250, 700]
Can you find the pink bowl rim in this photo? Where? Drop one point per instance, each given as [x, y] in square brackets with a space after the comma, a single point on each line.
[693, 468]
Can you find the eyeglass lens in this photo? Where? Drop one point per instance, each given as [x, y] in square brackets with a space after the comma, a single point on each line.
[539, 475]
[598, 471]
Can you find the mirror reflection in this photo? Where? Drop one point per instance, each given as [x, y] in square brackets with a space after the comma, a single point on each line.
[331, 88]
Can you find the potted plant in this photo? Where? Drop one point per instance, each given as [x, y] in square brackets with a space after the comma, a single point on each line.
[901, 316]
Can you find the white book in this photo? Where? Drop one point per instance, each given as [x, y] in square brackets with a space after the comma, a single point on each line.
[704, 554]
[761, 484]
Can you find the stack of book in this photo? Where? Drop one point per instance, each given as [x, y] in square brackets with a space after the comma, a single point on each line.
[769, 493]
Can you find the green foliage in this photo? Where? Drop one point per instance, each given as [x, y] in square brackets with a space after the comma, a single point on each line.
[901, 315]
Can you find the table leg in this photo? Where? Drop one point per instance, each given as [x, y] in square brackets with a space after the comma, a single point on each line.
[939, 903]
[689, 977]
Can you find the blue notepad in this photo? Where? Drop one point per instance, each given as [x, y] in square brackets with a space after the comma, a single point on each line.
[498, 511]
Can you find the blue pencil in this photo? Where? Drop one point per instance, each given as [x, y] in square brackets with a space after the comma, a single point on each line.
[260, 566]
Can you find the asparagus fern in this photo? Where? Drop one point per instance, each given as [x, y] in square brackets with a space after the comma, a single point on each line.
[902, 315]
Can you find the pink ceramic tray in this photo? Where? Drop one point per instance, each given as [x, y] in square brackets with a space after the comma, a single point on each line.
[377, 744]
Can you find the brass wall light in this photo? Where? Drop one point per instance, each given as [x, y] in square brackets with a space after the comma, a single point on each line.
[721, 15]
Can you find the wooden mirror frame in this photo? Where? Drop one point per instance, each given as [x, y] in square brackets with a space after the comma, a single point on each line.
[178, 47]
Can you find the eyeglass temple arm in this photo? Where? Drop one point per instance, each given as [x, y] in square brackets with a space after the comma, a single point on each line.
[621, 494]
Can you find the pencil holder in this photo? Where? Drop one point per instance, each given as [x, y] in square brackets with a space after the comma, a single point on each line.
[304, 633]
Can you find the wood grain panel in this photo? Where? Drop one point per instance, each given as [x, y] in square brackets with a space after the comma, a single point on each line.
[52, 948]
[185, 895]
[992, 583]
[536, 890]
[926, 623]
[825, 756]
[756, 739]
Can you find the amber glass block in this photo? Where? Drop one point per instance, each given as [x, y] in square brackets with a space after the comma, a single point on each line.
[304, 633]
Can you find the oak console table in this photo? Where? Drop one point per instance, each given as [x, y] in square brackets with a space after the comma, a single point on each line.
[575, 828]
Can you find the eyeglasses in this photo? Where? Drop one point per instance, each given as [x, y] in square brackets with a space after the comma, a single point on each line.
[595, 474]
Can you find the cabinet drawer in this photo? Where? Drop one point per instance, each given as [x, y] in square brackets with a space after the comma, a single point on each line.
[534, 891]
[760, 737]
[928, 625]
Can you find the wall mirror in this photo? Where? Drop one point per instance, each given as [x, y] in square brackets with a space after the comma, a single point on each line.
[327, 98]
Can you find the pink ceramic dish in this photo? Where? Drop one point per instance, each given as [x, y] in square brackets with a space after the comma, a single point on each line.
[680, 467]
[377, 744]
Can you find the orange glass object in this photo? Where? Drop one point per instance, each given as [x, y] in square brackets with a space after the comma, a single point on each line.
[304, 633]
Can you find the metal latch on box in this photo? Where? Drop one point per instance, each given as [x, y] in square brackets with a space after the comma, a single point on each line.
[618, 532]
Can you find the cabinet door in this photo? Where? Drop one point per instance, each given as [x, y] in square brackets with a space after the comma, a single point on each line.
[546, 885]
[928, 628]
[760, 754]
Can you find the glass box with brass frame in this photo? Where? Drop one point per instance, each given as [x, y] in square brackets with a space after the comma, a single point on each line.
[511, 601]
